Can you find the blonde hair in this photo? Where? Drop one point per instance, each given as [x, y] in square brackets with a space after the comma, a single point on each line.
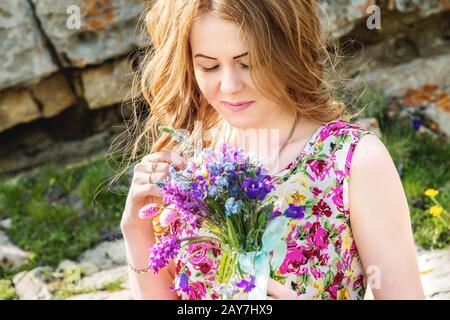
[288, 57]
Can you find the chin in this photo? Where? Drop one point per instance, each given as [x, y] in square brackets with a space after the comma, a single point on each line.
[241, 122]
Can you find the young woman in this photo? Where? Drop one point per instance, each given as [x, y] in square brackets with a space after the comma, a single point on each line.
[240, 66]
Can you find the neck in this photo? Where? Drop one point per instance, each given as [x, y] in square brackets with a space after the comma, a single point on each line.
[266, 141]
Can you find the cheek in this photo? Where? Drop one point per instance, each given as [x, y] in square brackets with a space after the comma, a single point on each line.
[207, 85]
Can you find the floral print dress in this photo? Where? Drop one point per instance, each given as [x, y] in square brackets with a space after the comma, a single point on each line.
[322, 261]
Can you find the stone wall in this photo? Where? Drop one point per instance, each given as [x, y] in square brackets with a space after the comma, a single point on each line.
[53, 73]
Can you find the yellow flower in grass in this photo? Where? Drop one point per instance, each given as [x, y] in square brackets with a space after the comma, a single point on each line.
[436, 210]
[431, 193]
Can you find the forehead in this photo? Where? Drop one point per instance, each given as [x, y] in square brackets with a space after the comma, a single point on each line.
[216, 37]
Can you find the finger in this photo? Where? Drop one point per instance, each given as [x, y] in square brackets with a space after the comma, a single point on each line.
[146, 190]
[280, 291]
[166, 156]
[273, 288]
[156, 176]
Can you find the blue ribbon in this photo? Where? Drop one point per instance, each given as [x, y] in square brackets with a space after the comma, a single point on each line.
[259, 263]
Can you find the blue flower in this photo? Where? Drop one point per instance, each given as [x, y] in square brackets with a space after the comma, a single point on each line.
[213, 191]
[228, 166]
[234, 190]
[213, 168]
[232, 206]
[296, 212]
[222, 182]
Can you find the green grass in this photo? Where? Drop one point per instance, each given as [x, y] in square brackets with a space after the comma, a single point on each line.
[60, 212]
[7, 291]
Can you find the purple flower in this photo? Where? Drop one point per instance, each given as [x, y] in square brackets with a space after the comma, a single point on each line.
[275, 213]
[296, 212]
[185, 200]
[167, 248]
[183, 283]
[416, 123]
[247, 285]
[257, 188]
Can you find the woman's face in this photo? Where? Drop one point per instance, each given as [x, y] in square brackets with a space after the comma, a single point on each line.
[221, 67]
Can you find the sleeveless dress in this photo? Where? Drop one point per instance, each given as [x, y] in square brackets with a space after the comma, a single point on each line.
[322, 261]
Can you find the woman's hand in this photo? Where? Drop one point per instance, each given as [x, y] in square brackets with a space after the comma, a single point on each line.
[143, 190]
[277, 291]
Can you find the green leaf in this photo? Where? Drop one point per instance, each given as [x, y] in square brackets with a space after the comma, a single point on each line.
[328, 278]
[232, 234]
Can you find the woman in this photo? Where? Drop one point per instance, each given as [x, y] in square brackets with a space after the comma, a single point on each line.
[242, 70]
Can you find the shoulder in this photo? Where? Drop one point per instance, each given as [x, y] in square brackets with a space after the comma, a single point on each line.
[375, 187]
[371, 157]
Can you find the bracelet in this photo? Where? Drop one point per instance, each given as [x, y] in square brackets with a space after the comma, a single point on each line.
[140, 271]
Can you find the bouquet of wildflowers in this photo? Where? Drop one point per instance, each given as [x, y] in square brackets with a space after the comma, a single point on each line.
[222, 192]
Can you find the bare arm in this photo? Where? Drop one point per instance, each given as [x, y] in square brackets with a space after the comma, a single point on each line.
[147, 286]
[380, 221]
[139, 234]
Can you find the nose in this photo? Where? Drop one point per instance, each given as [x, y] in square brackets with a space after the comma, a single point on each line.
[231, 81]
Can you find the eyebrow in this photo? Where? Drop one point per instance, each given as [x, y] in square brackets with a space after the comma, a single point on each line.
[199, 55]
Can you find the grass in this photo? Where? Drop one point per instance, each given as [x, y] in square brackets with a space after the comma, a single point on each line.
[60, 212]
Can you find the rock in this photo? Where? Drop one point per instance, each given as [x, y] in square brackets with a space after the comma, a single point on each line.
[440, 116]
[370, 124]
[5, 224]
[16, 107]
[88, 268]
[106, 255]
[105, 29]
[63, 265]
[423, 7]
[99, 279]
[434, 267]
[11, 257]
[340, 17]
[24, 56]
[54, 95]
[106, 85]
[413, 75]
[32, 285]
[104, 295]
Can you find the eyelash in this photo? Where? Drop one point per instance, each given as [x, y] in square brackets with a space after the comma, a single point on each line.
[243, 66]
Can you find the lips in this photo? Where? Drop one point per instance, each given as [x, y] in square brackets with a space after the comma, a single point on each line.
[239, 106]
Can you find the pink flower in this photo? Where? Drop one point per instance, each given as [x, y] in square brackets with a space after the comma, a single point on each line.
[294, 259]
[197, 291]
[168, 216]
[332, 129]
[148, 211]
[338, 198]
[317, 169]
[318, 238]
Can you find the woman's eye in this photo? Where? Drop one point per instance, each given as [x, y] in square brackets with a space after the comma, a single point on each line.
[209, 69]
[243, 66]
